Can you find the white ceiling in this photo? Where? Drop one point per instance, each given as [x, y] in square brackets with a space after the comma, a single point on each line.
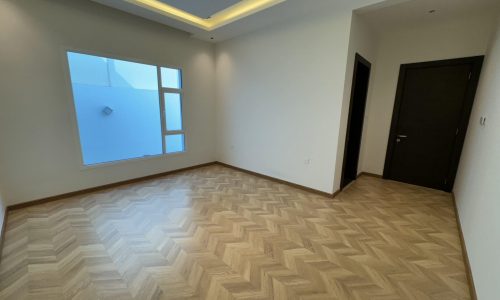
[201, 8]
[380, 14]
[278, 13]
[382, 17]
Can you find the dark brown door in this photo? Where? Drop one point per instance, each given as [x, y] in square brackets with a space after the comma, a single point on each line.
[431, 114]
[361, 78]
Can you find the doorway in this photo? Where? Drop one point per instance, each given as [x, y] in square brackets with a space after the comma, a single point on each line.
[431, 114]
[359, 92]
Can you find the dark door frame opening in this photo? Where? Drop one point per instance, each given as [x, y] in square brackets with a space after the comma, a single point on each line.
[357, 104]
[476, 63]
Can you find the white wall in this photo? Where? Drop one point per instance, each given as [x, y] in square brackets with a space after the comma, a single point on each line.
[280, 94]
[465, 36]
[2, 213]
[362, 40]
[39, 153]
[477, 188]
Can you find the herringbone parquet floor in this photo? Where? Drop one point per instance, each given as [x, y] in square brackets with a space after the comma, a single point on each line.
[216, 233]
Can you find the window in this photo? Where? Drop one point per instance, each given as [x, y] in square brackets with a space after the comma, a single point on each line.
[124, 109]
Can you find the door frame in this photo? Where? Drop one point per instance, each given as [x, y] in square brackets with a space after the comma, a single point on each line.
[358, 59]
[476, 62]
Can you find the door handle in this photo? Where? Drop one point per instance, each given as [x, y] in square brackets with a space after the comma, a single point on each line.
[399, 137]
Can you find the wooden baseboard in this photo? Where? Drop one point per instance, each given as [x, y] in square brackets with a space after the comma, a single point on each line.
[336, 193]
[369, 174]
[298, 186]
[103, 187]
[468, 269]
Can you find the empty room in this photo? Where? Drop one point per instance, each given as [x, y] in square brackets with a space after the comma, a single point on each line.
[250, 149]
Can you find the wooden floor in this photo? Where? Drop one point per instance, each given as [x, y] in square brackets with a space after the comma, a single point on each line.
[216, 233]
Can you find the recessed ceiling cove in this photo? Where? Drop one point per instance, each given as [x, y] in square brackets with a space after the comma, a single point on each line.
[238, 10]
[229, 21]
[201, 8]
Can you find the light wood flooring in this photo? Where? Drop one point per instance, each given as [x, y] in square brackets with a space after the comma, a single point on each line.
[217, 233]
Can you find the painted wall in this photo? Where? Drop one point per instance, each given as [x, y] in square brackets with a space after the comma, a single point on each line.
[280, 93]
[466, 36]
[477, 188]
[362, 40]
[39, 153]
[2, 213]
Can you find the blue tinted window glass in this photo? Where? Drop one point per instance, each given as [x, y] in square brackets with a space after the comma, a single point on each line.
[171, 78]
[173, 111]
[117, 108]
[174, 143]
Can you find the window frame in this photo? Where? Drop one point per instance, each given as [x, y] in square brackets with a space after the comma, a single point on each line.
[76, 129]
[179, 91]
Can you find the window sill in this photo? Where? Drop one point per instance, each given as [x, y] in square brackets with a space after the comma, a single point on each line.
[130, 160]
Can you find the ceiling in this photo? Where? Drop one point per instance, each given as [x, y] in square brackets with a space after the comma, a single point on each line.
[269, 12]
[382, 17]
[218, 20]
[202, 9]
